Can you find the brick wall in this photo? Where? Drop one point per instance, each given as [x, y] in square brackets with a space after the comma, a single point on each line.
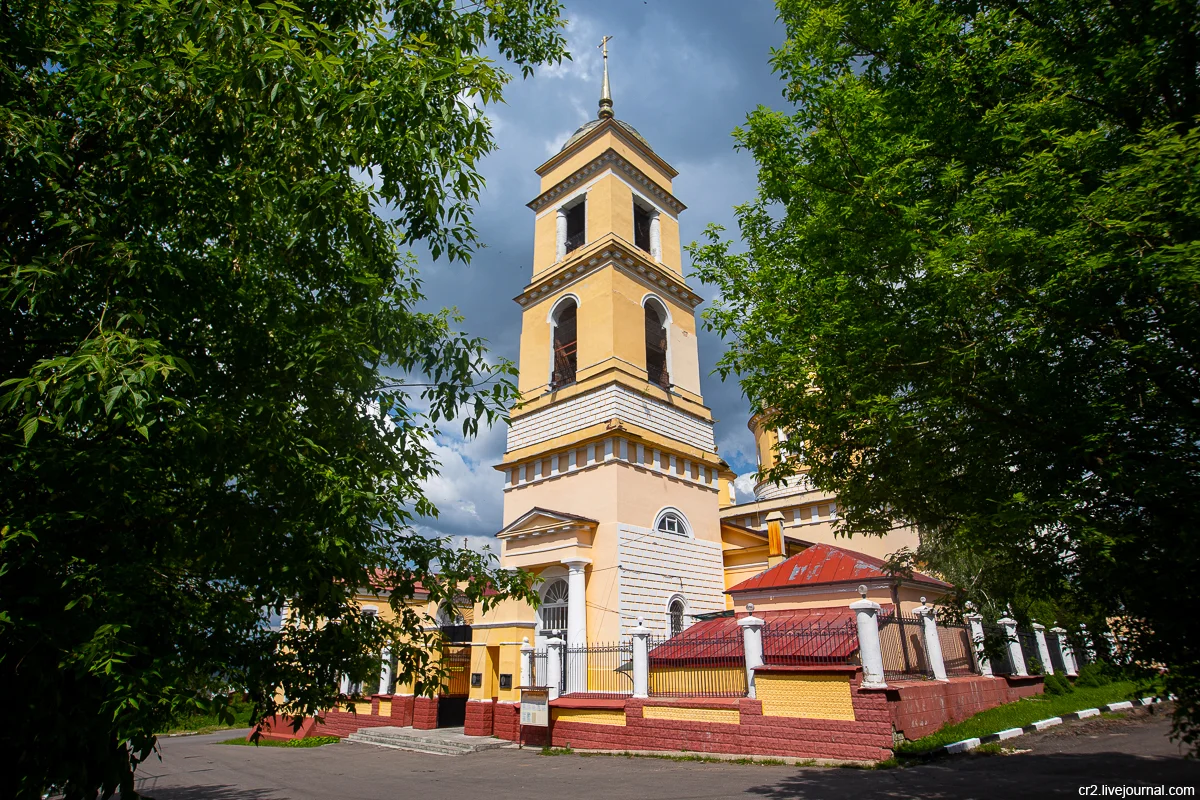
[479, 718]
[424, 713]
[507, 721]
[921, 707]
[735, 726]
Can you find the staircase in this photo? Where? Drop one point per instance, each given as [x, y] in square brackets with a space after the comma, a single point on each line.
[442, 742]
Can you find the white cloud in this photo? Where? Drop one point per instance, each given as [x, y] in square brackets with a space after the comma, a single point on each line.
[467, 491]
[744, 486]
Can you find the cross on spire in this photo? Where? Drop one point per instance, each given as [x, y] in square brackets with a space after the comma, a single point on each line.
[606, 102]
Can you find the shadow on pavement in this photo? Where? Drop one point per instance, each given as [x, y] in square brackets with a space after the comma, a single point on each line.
[218, 792]
[989, 778]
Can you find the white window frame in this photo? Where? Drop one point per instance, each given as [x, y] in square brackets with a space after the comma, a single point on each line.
[686, 531]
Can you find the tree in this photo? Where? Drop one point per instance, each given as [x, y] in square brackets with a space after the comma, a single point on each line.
[214, 362]
[970, 288]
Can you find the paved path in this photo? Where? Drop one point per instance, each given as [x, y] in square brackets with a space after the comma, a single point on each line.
[1130, 751]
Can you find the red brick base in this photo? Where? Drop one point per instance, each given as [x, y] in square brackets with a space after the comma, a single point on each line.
[424, 713]
[919, 708]
[507, 723]
[479, 718]
[402, 710]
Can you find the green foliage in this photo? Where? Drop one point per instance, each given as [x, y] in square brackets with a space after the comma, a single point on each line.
[217, 393]
[1057, 685]
[237, 715]
[1094, 675]
[971, 299]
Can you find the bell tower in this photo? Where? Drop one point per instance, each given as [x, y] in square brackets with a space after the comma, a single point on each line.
[611, 471]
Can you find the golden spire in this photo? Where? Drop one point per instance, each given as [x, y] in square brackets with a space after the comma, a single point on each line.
[606, 103]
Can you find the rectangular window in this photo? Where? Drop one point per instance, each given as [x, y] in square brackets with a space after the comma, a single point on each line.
[576, 225]
[641, 227]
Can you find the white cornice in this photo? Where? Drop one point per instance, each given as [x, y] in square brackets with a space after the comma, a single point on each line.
[609, 158]
[624, 258]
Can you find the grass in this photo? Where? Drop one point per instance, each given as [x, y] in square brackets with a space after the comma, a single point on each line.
[209, 723]
[1019, 714]
[311, 741]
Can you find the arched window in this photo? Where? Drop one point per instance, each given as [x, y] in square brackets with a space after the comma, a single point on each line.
[553, 611]
[656, 343]
[675, 615]
[671, 521]
[448, 616]
[566, 343]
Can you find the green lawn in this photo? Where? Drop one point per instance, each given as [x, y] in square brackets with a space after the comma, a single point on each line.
[311, 741]
[1021, 713]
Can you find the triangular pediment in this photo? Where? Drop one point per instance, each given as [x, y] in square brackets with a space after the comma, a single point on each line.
[544, 520]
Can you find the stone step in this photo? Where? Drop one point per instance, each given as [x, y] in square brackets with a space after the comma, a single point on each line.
[447, 742]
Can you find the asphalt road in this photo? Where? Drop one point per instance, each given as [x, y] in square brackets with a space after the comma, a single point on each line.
[1132, 751]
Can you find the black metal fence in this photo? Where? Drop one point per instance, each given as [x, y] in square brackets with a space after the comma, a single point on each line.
[1054, 644]
[539, 673]
[995, 646]
[958, 650]
[598, 670]
[709, 666]
[1030, 652]
[799, 644]
[902, 643]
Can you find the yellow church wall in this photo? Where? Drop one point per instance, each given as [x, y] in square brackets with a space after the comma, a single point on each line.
[594, 716]
[682, 680]
[554, 170]
[545, 241]
[642, 494]
[669, 231]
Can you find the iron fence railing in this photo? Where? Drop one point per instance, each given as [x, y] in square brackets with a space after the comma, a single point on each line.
[707, 666]
[995, 647]
[1030, 652]
[539, 672]
[958, 651]
[811, 645]
[1054, 645]
[902, 644]
[598, 670]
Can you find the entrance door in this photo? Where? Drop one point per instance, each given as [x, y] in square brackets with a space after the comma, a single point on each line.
[452, 702]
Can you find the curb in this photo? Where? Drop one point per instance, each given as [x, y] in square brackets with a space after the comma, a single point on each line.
[967, 745]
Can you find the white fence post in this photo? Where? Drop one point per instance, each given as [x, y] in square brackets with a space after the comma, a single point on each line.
[976, 622]
[1088, 647]
[1015, 656]
[385, 675]
[641, 659]
[1068, 655]
[554, 665]
[1039, 633]
[870, 652]
[752, 643]
[526, 662]
[933, 642]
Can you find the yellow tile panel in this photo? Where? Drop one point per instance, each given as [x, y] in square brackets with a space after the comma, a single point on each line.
[727, 715]
[593, 716]
[805, 696]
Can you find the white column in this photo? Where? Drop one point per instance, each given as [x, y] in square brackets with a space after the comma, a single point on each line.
[933, 642]
[1068, 656]
[641, 659]
[1014, 647]
[655, 237]
[576, 624]
[870, 652]
[385, 676]
[752, 642]
[976, 623]
[344, 684]
[526, 662]
[560, 236]
[1039, 633]
[1089, 648]
[554, 665]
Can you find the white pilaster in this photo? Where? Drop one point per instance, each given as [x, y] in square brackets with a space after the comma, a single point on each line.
[1068, 655]
[1015, 656]
[933, 642]
[655, 237]
[385, 675]
[977, 638]
[1039, 633]
[560, 236]
[526, 662]
[641, 659]
[870, 652]
[752, 643]
[576, 624]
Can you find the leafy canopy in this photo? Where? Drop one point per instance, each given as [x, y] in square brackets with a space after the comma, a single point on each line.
[208, 326]
[971, 290]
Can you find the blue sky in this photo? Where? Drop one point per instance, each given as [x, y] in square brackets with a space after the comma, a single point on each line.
[684, 73]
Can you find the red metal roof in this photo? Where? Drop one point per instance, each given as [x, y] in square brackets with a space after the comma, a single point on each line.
[823, 563]
[800, 636]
